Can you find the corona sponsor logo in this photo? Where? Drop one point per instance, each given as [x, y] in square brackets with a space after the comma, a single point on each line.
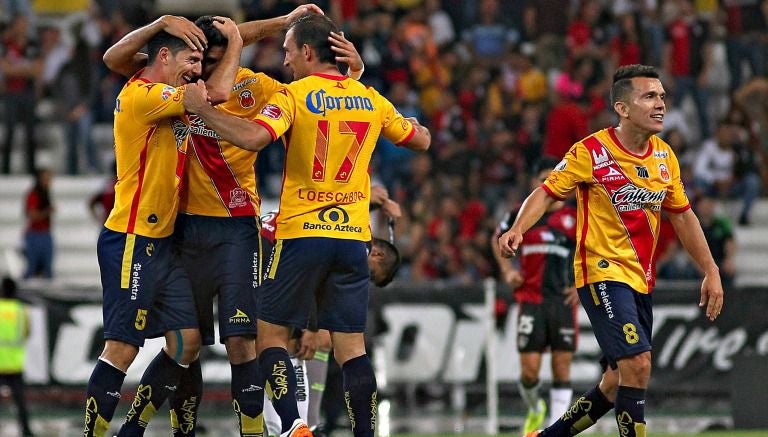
[320, 102]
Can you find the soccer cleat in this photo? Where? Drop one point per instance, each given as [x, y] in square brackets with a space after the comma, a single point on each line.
[534, 433]
[535, 418]
[299, 429]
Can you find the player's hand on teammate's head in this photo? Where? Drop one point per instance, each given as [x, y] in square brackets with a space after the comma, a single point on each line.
[301, 10]
[195, 97]
[227, 27]
[182, 28]
[345, 51]
[391, 209]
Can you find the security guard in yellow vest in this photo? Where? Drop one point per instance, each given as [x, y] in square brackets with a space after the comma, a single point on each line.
[14, 330]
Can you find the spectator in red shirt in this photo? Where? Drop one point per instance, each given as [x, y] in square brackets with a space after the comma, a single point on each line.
[688, 60]
[38, 241]
[567, 122]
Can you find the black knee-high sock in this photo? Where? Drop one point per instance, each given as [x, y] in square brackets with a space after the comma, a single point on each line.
[158, 381]
[360, 395]
[185, 401]
[102, 397]
[630, 411]
[248, 398]
[582, 414]
[275, 367]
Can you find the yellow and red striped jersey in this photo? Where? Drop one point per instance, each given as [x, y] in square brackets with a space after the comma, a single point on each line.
[219, 179]
[331, 125]
[620, 196]
[151, 133]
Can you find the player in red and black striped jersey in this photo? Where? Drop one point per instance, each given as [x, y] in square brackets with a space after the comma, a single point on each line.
[546, 298]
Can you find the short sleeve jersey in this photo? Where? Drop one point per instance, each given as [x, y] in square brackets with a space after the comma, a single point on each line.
[619, 198]
[220, 179]
[151, 133]
[331, 125]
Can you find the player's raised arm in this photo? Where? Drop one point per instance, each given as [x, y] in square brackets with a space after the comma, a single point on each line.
[237, 131]
[689, 231]
[255, 30]
[421, 138]
[221, 73]
[347, 53]
[124, 57]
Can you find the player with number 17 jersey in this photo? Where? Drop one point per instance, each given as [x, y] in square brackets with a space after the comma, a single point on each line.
[613, 183]
[338, 121]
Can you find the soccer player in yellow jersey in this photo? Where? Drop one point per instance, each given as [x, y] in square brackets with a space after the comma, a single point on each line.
[331, 124]
[146, 292]
[217, 229]
[623, 178]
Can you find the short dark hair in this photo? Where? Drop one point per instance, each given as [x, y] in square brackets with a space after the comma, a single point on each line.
[9, 288]
[212, 34]
[313, 30]
[390, 264]
[546, 163]
[622, 80]
[164, 39]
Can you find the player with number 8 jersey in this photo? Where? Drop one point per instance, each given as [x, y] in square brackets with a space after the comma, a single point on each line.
[338, 121]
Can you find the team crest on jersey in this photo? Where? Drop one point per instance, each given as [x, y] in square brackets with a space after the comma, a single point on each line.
[642, 171]
[180, 132]
[663, 171]
[246, 99]
[167, 92]
[238, 197]
[272, 111]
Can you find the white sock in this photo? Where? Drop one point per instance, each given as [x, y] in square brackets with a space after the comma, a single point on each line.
[530, 395]
[559, 401]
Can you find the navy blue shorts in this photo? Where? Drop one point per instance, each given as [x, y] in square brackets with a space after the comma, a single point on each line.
[222, 256]
[333, 271]
[146, 290]
[548, 325]
[621, 319]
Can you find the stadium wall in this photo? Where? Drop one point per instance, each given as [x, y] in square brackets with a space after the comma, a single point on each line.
[438, 333]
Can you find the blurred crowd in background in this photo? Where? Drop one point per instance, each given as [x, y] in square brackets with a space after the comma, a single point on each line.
[500, 83]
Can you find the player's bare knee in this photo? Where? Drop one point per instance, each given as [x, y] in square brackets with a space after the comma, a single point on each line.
[609, 384]
[240, 349]
[528, 375]
[119, 354]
